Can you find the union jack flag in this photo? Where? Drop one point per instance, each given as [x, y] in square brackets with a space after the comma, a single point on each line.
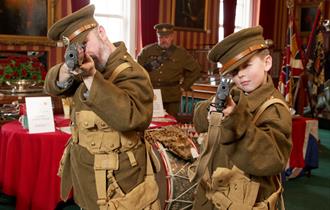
[292, 65]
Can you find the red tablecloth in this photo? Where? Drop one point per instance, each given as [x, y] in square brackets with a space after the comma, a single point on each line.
[29, 164]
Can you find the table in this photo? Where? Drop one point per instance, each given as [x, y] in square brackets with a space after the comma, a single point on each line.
[304, 153]
[29, 164]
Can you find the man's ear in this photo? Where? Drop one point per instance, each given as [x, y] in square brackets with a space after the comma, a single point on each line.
[102, 32]
[268, 62]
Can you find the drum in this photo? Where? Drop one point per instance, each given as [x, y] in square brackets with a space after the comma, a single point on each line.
[175, 190]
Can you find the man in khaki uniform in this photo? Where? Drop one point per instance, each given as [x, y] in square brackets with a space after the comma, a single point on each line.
[171, 68]
[249, 142]
[106, 162]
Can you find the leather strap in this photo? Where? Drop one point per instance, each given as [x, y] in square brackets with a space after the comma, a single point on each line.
[241, 55]
[80, 30]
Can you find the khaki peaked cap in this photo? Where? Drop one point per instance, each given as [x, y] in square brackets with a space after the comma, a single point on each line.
[164, 28]
[237, 48]
[75, 26]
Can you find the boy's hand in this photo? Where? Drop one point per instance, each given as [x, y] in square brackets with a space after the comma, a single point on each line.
[230, 106]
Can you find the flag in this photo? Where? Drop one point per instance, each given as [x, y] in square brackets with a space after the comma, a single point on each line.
[292, 65]
[315, 61]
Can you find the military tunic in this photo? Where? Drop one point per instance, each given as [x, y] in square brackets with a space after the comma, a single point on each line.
[124, 104]
[260, 150]
[177, 69]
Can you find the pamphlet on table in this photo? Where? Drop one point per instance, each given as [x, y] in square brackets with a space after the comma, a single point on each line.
[40, 114]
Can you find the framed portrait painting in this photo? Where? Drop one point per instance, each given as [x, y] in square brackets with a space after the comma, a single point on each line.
[190, 14]
[305, 15]
[25, 21]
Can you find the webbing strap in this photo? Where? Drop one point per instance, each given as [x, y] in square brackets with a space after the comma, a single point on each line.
[213, 136]
[100, 179]
[119, 69]
[104, 164]
[278, 193]
[266, 104]
[149, 166]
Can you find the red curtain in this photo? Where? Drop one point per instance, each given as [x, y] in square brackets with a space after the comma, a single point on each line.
[267, 18]
[229, 8]
[76, 5]
[148, 13]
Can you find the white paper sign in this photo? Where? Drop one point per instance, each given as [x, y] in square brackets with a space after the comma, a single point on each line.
[158, 104]
[40, 114]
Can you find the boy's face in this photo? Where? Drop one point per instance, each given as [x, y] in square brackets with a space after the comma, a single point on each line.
[253, 73]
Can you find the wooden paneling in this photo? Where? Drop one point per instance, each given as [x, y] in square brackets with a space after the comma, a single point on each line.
[55, 54]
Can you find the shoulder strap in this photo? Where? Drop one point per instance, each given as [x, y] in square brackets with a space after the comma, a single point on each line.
[119, 69]
[277, 196]
[266, 104]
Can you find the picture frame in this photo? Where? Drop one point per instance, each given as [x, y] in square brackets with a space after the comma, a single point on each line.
[26, 22]
[305, 17]
[190, 15]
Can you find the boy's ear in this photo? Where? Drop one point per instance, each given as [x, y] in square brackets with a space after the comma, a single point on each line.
[268, 62]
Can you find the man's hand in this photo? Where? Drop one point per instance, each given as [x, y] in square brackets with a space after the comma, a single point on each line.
[64, 74]
[88, 66]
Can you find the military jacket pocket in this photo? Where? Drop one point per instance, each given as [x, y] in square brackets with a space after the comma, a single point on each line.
[95, 134]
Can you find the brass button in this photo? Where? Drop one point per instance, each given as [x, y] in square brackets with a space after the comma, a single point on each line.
[103, 124]
[85, 123]
[93, 144]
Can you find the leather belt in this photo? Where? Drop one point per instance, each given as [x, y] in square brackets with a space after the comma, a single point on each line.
[80, 30]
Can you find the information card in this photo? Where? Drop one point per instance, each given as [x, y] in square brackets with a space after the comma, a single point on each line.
[158, 104]
[40, 114]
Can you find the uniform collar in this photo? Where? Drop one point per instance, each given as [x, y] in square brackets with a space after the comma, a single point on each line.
[261, 94]
[119, 54]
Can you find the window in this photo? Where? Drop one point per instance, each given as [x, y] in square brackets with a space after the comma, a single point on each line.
[243, 17]
[118, 19]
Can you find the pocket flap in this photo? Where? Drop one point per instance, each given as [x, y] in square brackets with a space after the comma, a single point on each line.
[110, 141]
[85, 119]
[106, 161]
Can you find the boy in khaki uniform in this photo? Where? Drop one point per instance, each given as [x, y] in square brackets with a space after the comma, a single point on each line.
[248, 143]
[105, 162]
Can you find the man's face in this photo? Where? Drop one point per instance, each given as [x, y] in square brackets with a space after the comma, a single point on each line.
[165, 41]
[96, 48]
[253, 73]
